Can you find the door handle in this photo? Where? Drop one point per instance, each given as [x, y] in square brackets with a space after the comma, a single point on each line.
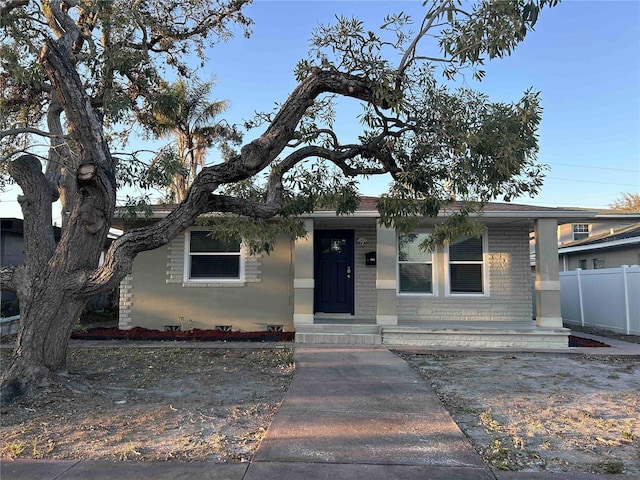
[349, 272]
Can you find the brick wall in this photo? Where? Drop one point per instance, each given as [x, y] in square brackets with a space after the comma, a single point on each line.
[365, 292]
[509, 286]
[125, 303]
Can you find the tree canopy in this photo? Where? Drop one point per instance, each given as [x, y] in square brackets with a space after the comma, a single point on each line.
[77, 76]
[627, 203]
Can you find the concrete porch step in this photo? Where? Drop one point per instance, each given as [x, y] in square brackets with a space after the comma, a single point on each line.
[521, 335]
[353, 334]
[480, 335]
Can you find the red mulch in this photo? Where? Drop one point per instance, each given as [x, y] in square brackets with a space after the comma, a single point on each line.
[585, 342]
[139, 333]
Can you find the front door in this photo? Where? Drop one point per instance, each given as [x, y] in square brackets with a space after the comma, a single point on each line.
[334, 271]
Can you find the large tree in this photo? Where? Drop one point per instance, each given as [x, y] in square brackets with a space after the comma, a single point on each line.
[76, 71]
[626, 203]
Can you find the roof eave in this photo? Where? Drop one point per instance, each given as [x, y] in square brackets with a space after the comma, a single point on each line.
[599, 245]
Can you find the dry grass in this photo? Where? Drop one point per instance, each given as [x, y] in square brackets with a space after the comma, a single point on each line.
[565, 413]
[151, 404]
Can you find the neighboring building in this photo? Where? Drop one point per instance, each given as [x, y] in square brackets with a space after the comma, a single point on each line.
[350, 280]
[12, 253]
[610, 249]
[604, 223]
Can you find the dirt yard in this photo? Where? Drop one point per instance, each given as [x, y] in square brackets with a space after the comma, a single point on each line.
[151, 404]
[526, 411]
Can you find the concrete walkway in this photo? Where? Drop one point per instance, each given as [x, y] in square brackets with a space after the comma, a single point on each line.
[350, 413]
[362, 413]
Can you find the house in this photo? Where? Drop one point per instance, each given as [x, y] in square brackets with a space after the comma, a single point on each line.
[12, 253]
[353, 281]
[603, 224]
[605, 250]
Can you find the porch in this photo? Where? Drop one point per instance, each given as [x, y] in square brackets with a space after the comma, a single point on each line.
[519, 335]
[379, 313]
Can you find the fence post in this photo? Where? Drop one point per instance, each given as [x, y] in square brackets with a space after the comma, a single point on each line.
[627, 313]
[578, 270]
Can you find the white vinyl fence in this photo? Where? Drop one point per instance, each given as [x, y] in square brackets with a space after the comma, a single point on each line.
[605, 298]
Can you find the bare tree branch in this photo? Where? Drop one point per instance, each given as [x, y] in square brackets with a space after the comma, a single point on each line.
[58, 150]
[33, 130]
[36, 206]
[410, 53]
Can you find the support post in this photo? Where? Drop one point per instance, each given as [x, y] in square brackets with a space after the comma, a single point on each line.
[386, 283]
[547, 273]
[303, 282]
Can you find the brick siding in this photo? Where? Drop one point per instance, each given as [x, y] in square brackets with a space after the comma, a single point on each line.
[509, 286]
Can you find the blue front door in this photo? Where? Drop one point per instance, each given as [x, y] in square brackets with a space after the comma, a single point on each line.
[334, 271]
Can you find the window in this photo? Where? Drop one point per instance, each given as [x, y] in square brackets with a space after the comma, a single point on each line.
[598, 263]
[415, 265]
[211, 258]
[466, 266]
[582, 264]
[580, 231]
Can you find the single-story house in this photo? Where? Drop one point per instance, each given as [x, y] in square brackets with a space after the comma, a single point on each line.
[612, 248]
[354, 281]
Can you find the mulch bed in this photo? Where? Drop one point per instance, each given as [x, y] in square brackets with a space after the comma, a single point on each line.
[585, 342]
[139, 333]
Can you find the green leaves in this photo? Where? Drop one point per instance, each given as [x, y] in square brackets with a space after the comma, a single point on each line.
[260, 236]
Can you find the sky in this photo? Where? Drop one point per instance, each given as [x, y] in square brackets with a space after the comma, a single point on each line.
[584, 58]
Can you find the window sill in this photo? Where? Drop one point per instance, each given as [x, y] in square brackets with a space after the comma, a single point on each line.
[415, 294]
[213, 284]
[472, 295]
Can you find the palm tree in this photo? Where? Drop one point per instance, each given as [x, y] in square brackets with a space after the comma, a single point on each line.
[184, 112]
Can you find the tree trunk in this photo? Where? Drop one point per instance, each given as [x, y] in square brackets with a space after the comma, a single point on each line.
[46, 321]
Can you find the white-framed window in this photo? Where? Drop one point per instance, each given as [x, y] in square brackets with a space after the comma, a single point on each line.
[580, 231]
[466, 272]
[208, 258]
[598, 263]
[415, 265]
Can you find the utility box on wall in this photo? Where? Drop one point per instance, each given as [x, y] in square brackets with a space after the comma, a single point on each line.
[370, 258]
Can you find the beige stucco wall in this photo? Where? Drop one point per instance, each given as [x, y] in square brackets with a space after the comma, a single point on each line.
[509, 296]
[158, 296]
[613, 257]
[565, 231]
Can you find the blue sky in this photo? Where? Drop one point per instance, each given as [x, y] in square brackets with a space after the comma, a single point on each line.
[584, 57]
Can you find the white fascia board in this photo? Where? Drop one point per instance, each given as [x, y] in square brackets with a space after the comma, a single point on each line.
[618, 216]
[532, 214]
[507, 214]
[330, 214]
[600, 246]
[539, 214]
